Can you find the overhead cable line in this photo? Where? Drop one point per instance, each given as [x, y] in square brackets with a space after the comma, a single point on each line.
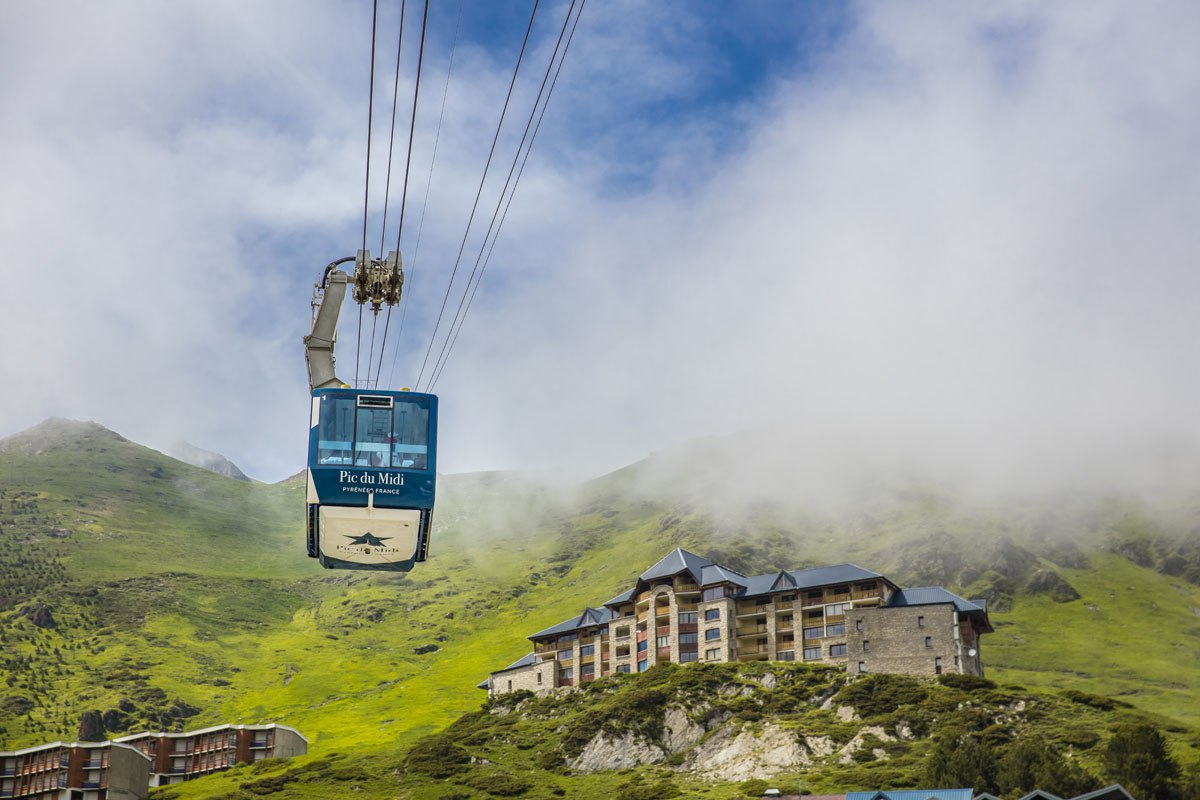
[469, 293]
[407, 165]
[425, 202]
[367, 182]
[387, 186]
[470, 219]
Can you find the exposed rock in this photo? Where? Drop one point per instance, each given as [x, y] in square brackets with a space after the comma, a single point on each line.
[39, 615]
[767, 681]
[114, 721]
[625, 752]
[846, 714]
[1050, 583]
[819, 745]
[126, 705]
[726, 756]
[426, 648]
[680, 732]
[205, 459]
[847, 751]
[91, 727]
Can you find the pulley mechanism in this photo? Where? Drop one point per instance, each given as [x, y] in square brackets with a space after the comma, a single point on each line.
[377, 281]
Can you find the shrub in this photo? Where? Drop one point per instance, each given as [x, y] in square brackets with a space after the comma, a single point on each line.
[436, 756]
[501, 784]
[965, 682]
[882, 693]
[647, 791]
[753, 787]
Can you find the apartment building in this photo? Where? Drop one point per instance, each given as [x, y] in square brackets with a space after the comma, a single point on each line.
[126, 768]
[686, 609]
[75, 771]
[178, 757]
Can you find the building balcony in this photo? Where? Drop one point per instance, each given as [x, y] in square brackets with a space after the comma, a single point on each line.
[687, 588]
[681, 607]
[752, 653]
[760, 630]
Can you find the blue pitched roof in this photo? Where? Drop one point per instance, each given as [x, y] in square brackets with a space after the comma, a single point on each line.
[804, 578]
[715, 573]
[675, 562]
[623, 597]
[934, 595]
[1113, 792]
[1039, 794]
[913, 794]
[523, 661]
[589, 617]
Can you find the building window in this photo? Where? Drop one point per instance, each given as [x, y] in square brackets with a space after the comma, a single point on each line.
[788, 637]
[688, 618]
[643, 665]
[937, 666]
[817, 614]
[786, 619]
[785, 655]
[866, 646]
[929, 641]
[835, 610]
[565, 655]
[586, 670]
[862, 666]
[686, 657]
[814, 633]
[762, 601]
[715, 593]
[587, 650]
[623, 630]
[867, 587]
[712, 654]
[787, 598]
[662, 641]
[712, 634]
[812, 652]
[510, 686]
[568, 637]
[623, 668]
[835, 630]
[956, 661]
[689, 638]
[837, 649]
[840, 590]
[711, 614]
[567, 673]
[816, 595]
[539, 677]
[858, 624]
[642, 645]
[920, 622]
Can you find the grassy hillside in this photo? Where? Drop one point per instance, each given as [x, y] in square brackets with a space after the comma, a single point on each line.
[166, 596]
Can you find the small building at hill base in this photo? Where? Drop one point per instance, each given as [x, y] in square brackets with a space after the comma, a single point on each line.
[687, 609]
[127, 767]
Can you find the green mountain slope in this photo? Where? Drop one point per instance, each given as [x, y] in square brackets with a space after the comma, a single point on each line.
[166, 596]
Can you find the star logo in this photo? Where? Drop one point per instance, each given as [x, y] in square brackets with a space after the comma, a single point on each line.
[367, 538]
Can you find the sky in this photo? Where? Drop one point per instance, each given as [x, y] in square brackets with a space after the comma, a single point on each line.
[961, 235]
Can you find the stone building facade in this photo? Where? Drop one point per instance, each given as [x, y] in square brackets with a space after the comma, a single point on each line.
[686, 609]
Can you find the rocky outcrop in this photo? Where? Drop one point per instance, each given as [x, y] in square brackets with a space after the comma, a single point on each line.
[623, 752]
[737, 755]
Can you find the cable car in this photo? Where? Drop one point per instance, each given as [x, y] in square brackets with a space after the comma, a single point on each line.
[372, 461]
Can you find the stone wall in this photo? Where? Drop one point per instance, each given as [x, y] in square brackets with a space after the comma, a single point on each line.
[914, 640]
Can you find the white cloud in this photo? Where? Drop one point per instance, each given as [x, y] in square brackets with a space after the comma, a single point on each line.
[960, 233]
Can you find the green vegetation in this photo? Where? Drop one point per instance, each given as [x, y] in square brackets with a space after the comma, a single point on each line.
[161, 596]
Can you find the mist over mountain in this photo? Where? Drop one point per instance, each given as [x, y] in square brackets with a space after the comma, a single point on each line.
[205, 459]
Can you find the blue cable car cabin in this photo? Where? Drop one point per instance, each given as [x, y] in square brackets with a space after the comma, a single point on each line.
[372, 460]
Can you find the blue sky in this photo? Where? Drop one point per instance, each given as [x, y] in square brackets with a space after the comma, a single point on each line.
[953, 234]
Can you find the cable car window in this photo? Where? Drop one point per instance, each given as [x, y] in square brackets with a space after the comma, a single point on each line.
[410, 435]
[335, 436]
[373, 429]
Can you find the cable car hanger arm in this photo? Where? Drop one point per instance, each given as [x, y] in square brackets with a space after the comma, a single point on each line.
[377, 281]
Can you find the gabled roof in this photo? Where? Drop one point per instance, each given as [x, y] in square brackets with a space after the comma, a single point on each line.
[623, 597]
[804, 578]
[524, 661]
[1038, 794]
[1114, 792]
[675, 562]
[986, 796]
[715, 573]
[589, 617]
[913, 794]
[783, 581]
[934, 595]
